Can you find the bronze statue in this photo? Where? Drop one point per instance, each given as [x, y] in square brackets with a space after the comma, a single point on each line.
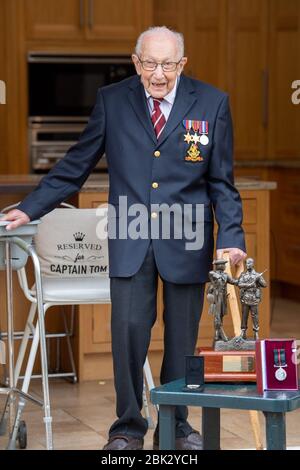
[217, 296]
[250, 283]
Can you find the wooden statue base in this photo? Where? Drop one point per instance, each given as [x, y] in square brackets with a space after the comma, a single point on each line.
[228, 366]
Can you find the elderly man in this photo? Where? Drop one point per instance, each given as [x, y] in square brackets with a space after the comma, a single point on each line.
[168, 140]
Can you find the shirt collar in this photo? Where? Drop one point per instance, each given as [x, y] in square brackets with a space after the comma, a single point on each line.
[170, 97]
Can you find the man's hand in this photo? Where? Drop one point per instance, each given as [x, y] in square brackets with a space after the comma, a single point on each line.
[17, 219]
[236, 255]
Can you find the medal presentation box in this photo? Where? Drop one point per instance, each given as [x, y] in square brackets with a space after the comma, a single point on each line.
[228, 366]
[276, 364]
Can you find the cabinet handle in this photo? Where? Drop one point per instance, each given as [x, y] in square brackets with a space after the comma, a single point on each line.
[265, 100]
[2, 92]
[81, 19]
[91, 13]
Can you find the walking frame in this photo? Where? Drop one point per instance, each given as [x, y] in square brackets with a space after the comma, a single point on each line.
[41, 303]
[16, 398]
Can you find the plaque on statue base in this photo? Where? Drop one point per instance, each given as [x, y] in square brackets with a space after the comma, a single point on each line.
[228, 366]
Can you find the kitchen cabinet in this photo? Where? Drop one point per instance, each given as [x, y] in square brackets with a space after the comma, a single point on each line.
[247, 76]
[205, 33]
[55, 19]
[251, 49]
[204, 28]
[13, 138]
[285, 224]
[4, 80]
[118, 20]
[86, 19]
[284, 68]
[68, 26]
[285, 210]
[226, 45]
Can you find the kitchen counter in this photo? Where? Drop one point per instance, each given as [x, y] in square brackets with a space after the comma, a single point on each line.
[283, 163]
[26, 183]
[92, 333]
[99, 182]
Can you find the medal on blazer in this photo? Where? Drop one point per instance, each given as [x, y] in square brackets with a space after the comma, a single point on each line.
[196, 127]
[193, 152]
[204, 140]
[187, 123]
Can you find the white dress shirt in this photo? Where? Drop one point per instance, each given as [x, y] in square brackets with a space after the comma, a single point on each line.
[166, 104]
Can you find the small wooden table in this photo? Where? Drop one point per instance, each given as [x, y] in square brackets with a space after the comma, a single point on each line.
[274, 405]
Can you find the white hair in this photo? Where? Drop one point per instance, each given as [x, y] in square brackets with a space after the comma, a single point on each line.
[160, 30]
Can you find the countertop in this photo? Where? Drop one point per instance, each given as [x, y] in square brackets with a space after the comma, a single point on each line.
[280, 163]
[99, 183]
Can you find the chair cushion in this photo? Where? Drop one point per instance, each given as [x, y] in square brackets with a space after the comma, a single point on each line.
[73, 243]
[81, 290]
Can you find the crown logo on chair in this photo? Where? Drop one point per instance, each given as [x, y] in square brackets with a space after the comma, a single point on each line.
[79, 236]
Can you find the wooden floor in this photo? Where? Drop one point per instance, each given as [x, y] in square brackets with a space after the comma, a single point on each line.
[82, 413]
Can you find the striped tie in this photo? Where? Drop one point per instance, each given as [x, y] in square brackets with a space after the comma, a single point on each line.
[157, 117]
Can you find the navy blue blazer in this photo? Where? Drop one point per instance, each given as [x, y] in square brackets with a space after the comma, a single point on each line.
[120, 126]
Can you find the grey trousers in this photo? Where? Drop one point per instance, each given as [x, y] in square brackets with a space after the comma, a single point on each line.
[133, 315]
[246, 309]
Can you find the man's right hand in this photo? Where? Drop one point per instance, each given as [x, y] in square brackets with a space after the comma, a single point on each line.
[16, 217]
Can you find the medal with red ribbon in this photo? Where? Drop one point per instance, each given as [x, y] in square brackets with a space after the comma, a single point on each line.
[188, 125]
[200, 129]
[280, 362]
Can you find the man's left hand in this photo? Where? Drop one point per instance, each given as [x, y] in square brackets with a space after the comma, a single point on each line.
[236, 255]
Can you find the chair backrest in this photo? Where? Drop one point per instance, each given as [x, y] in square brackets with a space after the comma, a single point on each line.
[72, 243]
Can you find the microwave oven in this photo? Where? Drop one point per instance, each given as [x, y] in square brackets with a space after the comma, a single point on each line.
[66, 85]
[62, 91]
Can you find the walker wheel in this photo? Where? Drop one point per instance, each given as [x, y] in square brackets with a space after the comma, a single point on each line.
[22, 435]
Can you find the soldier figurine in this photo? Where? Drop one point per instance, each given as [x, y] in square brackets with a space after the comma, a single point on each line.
[250, 283]
[217, 296]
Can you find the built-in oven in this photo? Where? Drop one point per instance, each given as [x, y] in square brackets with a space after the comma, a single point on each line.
[62, 93]
[50, 140]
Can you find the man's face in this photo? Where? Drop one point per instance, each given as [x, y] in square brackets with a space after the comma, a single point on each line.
[221, 267]
[249, 263]
[159, 48]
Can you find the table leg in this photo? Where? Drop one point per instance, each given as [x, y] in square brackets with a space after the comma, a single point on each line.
[211, 428]
[166, 427]
[275, 431]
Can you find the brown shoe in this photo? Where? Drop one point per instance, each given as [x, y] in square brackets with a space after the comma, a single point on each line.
[191, 442]
[122, 442]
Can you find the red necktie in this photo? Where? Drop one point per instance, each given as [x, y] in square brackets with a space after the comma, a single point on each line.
[157, 117]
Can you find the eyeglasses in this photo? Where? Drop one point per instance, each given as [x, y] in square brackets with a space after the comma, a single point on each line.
[150, 65]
